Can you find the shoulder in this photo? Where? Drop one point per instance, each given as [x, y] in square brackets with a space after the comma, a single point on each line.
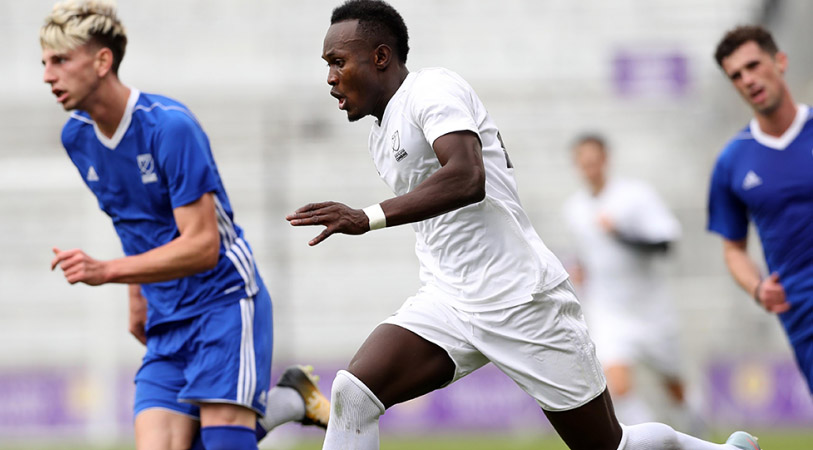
[164, 113]
[73, 130]
[439, 78]
[735, 147]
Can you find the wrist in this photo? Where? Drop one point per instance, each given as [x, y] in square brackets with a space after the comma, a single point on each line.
[755, 293]
[375, 216]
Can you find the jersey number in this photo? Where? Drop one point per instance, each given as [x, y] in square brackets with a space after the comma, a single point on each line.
[507, 159]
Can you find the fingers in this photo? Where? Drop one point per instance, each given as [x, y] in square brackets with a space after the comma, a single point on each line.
[774, 277]
[310, 207]
[322, 236]
[60, 257]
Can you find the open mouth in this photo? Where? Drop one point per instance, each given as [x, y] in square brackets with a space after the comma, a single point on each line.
[61, 95]
[341, 98]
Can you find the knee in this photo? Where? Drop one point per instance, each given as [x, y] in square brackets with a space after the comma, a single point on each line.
[349, 395]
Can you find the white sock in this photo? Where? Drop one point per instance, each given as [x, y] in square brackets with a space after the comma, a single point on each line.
[354, 413]
[651, 435]
[284, 405]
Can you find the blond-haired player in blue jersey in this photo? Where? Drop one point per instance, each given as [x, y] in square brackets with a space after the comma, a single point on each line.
[204, 380]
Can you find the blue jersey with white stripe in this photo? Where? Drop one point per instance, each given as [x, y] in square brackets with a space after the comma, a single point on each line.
[159, 159]
[769, 180]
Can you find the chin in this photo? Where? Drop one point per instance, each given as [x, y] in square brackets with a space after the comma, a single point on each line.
[353, 117]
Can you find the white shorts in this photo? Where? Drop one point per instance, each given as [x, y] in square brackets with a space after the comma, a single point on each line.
[543, 345]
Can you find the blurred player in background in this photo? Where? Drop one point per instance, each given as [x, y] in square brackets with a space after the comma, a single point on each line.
[765, 175]
[208, 323]
[621, 230]
[491, 291]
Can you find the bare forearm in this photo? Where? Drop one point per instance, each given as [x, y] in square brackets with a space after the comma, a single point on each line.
[446, 190]
[742, 267]
[179, 258]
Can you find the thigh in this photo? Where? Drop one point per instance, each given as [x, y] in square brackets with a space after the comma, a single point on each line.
[218, 414]
[162, 429]
[544, 346]
[398, 365]
[592, 426]
[160, 380]
[230, 356]
[422, 347]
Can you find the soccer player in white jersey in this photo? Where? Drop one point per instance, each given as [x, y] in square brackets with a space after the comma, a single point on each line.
[764, 175]
[491, 291]
[621, 230]
[197, 300]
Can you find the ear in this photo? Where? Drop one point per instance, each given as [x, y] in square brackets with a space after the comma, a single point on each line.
[782, 61]
[382, 56]
[103, 62]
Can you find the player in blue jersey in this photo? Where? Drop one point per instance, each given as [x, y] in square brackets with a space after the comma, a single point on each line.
[208, 323]
[765, 175]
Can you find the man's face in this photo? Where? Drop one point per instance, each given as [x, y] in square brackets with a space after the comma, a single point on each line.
[351, 70]
[757, 76]
[591, 161]
[71, 74]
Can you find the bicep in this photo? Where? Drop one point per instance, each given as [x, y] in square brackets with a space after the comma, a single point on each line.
[197, 217]
[459, 148]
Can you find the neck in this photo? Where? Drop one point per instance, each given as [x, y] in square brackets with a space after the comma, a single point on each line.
[597, 186]
[391, 85]
[108, 104]
[776, 122]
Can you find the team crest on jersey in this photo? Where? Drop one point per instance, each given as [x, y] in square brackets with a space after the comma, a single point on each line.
[147, 167]
[396, 147]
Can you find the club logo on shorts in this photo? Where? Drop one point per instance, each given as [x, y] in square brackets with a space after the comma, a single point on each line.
[396, 147]
[147, 167]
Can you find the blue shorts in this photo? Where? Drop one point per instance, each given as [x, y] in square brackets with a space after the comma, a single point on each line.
[221, 356]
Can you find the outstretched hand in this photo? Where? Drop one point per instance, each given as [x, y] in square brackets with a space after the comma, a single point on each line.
[77, 267]
[336, 218]
[771, 294]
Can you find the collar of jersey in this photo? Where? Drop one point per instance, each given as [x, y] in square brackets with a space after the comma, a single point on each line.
[124, 123]
[781, 142]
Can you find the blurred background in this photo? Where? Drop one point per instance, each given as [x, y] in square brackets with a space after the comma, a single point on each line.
[639, 71]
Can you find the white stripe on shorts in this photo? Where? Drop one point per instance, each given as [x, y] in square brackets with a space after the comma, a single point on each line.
[246, 379]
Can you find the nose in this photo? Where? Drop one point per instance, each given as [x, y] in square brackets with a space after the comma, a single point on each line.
[332, 77]
[48, 75]
[748, 78]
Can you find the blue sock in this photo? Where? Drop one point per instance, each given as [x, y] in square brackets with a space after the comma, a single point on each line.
[197, 444]
[228, 437]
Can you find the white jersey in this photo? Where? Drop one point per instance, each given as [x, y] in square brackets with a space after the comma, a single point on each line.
[481, 257]
[620, 279]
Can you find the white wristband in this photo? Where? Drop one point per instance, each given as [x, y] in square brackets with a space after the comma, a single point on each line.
[376, 216]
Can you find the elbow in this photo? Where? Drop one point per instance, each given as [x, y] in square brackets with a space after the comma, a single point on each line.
[476, 189]
[209, 254]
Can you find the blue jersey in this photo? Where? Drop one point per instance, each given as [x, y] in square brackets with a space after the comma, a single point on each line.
[770, 181]
[158, 160]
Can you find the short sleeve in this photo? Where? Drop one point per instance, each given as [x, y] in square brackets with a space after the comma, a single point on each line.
[184, 158]
[727, 214]
[442, 104]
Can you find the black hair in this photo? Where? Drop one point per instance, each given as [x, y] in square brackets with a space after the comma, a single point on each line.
[378, 21]
[742, 34]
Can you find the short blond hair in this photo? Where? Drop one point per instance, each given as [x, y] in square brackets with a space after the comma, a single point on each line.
[72, 24]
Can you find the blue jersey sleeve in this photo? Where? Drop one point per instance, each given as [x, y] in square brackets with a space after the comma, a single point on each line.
[728, 215]
[185, 160]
